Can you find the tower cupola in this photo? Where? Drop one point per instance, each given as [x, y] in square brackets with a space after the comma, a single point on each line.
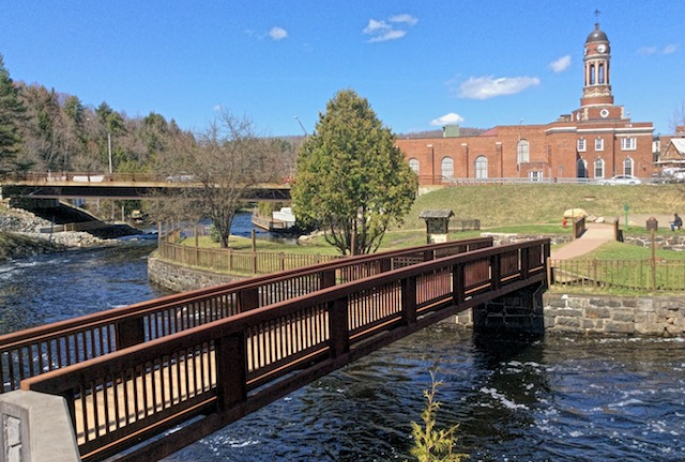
[597, 100]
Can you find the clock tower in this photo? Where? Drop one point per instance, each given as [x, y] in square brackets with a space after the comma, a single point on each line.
[597, 101]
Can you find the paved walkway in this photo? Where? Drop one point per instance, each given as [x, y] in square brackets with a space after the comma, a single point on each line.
[595, 235]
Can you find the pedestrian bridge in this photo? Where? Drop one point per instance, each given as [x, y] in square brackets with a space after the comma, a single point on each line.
[120, 186]
[197, 361]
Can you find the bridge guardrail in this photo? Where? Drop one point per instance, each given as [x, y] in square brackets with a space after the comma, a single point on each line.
[221, 371]
[34, 351]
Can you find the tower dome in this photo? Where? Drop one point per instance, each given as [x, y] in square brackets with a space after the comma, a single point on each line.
[597, 35]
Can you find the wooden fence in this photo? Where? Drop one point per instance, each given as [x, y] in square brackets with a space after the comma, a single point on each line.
[634, 275]
[240, 262]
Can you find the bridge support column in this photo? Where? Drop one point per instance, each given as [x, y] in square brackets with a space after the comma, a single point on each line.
[519, 312]
[36, 427]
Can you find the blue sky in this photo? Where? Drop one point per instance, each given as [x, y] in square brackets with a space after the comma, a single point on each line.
[420, 64]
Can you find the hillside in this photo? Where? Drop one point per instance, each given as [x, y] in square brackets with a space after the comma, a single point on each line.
[497, 205]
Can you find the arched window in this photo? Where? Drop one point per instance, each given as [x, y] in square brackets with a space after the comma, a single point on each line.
[581, 166]
[447, 168]
[628, 166]
[481, 167]
[523, 151]
[599, 168]
[414, 165]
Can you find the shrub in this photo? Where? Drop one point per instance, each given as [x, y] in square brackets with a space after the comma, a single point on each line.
[430, 444]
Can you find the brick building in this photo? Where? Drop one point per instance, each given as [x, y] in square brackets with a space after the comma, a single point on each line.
[597, 140]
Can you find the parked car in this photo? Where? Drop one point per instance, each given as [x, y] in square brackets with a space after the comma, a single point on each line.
[621, 179]
[180, 178]
[675, 175]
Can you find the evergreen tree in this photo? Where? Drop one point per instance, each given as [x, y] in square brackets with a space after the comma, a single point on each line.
[352, 181]
[11, 115]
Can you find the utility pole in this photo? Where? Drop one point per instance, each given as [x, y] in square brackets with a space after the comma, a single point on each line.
[301, 126]
[109, 153]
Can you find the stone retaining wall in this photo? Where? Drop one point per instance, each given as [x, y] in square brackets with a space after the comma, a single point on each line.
[512, 238]
[178, 278]
[675, 241]
[608, 315]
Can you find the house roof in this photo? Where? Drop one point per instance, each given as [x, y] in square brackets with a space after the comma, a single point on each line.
[425, 214]
[679, 145]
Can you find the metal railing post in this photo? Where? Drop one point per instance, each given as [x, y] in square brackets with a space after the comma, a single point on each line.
[231, 370]
[338, 319]
[408, 301]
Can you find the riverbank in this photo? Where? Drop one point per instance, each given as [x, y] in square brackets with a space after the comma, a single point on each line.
[20, 236]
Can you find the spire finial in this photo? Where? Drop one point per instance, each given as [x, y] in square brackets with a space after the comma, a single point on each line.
[597, 18]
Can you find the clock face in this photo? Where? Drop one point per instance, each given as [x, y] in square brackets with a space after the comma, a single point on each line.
[601, 48]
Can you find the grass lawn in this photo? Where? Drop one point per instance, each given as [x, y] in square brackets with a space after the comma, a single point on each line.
[623, 269]
[501, 205]
[392, 240]
[621, 251]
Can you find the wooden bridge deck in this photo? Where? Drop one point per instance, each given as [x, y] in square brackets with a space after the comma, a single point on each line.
[204, 377]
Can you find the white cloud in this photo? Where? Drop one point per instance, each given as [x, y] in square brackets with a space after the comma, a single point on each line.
[392, 29]
[278, 33]
[490, 87]
[646, 51]
[448, 119]
[670, 49]
[652, 50]
[561, 64]
[375, 26]
[404, 18]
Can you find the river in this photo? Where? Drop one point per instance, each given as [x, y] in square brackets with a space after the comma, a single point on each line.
[558, 399]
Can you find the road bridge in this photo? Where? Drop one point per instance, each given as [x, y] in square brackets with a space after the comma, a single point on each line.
[197, 361]
[120, 186]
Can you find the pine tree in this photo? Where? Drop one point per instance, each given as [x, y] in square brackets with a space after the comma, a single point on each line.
[11, 114]
[352, 181]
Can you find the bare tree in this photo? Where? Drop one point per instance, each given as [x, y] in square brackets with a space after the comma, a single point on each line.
[220, 169]
[678, 117]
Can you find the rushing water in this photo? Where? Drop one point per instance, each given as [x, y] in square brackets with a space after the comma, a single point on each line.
[559, 399]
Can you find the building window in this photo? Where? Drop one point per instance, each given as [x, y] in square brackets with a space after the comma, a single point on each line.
[628, 166]
[414, 165]
[535, 176]
[581, 145]
[629, 144]
[447, 168]
[481, 165]
[523, 152]
[599, 144]
[599, 168]
[581, 168]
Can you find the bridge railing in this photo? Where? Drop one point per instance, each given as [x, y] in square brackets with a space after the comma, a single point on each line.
[171, 179]
[223, 370]
[34, 351]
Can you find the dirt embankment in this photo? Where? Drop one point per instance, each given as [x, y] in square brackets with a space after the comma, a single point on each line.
[20, 236]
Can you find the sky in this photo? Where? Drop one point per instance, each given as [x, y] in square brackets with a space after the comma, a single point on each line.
[421, 64]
